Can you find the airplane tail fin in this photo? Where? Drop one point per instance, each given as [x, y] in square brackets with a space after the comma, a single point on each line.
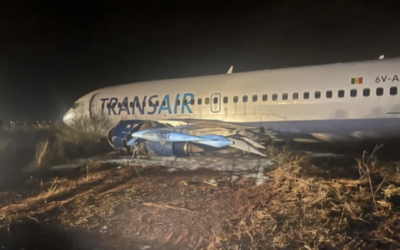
[230, 70]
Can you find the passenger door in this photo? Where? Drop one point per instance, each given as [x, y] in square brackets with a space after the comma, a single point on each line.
[95, 106]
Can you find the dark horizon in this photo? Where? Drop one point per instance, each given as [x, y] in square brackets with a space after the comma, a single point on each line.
[52, 55]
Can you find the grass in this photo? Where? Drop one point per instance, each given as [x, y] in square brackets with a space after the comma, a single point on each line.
[27, 153]
[306, 204]
[304, 207]
[36, 148]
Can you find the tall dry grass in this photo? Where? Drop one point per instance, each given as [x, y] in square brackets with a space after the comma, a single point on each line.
[37, 148]
[306, 206]
[83, 136]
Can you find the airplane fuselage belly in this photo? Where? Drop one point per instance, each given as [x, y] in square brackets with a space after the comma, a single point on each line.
[335, 130]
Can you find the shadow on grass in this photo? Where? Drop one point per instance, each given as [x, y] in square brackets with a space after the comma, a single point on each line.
[29, 234]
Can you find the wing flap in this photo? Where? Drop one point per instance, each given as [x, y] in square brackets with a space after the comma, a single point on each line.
[244, 146]
[253, 143]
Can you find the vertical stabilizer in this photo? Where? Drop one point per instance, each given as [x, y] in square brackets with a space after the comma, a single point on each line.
[230, 70]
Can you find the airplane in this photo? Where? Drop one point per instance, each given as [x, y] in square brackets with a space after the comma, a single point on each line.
[341, 102]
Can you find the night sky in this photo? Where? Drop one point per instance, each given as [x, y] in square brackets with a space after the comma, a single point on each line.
[53, 53]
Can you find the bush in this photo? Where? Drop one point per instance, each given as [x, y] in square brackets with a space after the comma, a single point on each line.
[83, 137]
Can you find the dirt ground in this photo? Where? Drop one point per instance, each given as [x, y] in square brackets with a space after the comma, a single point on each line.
[305, 204]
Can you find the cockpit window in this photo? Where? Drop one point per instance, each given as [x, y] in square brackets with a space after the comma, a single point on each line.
[75, 105]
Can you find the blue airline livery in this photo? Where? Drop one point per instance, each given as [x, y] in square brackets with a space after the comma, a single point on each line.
[132, 105]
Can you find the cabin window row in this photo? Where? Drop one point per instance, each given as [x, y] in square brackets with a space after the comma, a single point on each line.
[295, 96]
[317, 95]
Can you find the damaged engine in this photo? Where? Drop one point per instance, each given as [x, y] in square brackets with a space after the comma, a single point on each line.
[165, 140]
[121, 134]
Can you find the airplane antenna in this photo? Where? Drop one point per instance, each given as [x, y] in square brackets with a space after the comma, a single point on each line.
[230, 70]
[381, 57]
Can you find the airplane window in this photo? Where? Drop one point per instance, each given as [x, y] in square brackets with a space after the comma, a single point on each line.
[192, 101]
[393, 91]
[137, 105]
[119, 105]
[306, 95]
[245, 98]
[215, 100]
[284, 96]
[178, 102]
[265, 98]
[185, 102]
[255, 98]
[353, 93]
[114, 104]
[164, 103]
[108, 105]
[317, 94]
[274, 97]
[379, 91]
[199, 101]
[295, 96]
[225, 99]
[366, 92]
[157, 103]
[125, 104]
[341, 93]
[150, 104]
[235, 99]
[207, 101]
[328, 94]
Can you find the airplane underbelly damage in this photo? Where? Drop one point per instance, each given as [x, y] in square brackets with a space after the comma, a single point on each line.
[165, 140]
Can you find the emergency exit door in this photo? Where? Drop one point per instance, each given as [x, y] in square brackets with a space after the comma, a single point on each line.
[215, 103]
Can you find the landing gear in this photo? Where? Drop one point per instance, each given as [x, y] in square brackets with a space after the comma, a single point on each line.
[125, 148]
[134, 153]
[138, 149]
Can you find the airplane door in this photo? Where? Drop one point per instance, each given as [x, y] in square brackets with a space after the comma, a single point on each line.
[215, 103]
[94, 106]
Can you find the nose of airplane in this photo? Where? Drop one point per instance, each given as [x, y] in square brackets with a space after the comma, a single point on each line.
[69, 117]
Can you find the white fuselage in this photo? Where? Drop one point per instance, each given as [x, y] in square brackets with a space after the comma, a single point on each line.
[319, 101]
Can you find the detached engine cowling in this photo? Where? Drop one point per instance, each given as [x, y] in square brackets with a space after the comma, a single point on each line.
[117, 136]
[169, 149]
[121, 133]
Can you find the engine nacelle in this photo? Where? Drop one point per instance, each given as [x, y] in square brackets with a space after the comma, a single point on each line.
[122, 133]
[169, 149]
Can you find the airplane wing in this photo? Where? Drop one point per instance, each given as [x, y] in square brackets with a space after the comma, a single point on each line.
[199, 127]
[202, 127]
